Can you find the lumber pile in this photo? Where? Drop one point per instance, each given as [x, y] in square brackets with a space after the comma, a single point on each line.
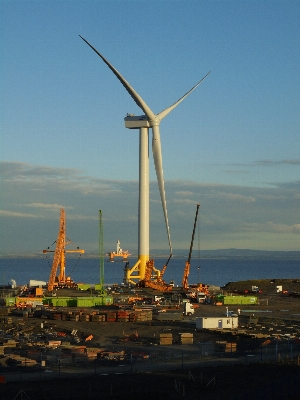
[186, 338]
[165, 339]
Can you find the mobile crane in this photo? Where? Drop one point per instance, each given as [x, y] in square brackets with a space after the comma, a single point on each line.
[196, 291]
[59, 259]
[186, 271]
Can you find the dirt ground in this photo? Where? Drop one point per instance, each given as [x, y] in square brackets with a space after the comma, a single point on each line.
[260, 381]
[274, 307]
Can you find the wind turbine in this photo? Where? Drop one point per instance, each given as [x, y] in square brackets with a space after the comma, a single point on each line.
[143, 123]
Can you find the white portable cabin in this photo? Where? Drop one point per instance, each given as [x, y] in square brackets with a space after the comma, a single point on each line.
[35, 283]
[217, 322]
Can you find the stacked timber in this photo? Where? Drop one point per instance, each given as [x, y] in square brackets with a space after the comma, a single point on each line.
[226, 347]
[186, 338]
[98, 318]
[11, 343]
[165, 339]
[65, 316]
[111, 316]
[53, 314]
[123, 316]
[132, 317]
[143, 315]
[84, 317]
[137, 315]
[74, 317]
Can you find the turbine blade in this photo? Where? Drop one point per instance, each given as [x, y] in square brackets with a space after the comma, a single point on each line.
[165, 112]
[136, 97]
[157, 156]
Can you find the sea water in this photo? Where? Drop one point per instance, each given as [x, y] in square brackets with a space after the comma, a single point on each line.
[211, 271]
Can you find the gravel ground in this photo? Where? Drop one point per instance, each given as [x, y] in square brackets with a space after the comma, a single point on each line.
[277, 314]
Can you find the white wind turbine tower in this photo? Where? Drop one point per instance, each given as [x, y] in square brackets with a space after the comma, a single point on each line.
[143, 123]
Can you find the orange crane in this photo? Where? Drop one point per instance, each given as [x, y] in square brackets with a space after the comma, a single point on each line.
[158, 283]
[186, 272]
[59, 259]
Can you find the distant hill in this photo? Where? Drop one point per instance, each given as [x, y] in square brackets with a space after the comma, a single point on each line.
[232, 253]
[183, 253]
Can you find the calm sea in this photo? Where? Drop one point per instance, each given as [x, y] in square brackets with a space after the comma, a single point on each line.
[209, 271]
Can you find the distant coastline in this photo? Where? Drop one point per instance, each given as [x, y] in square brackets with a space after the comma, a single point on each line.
[183, 253]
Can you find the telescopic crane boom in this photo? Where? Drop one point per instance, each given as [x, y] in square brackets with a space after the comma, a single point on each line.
[186, 272]
[59, 259]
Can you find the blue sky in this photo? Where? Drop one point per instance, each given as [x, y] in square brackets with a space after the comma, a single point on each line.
[233, 145]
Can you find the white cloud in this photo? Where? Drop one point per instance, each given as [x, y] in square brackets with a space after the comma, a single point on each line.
[48, 206]
[185, 193]
[236, 197]
[228, 214]
[14, 214]
[184, 201]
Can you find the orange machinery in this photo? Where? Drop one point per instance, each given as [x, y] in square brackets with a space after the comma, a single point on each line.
[200, 287]
[158, 283]
[59, 259]
[186, 271]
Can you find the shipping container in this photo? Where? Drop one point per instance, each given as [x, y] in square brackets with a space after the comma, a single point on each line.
[63, 301]
[85, 301]
[98, 301]
[10, 301]
[108, 300]
[240, 300]
[84, 286]
[216, 322]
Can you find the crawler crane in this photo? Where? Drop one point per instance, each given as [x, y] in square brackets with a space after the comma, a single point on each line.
[59, 259]
[158, 283]
[186, 272]
[200, 288]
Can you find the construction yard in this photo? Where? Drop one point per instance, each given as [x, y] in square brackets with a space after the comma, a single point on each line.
[130, 353]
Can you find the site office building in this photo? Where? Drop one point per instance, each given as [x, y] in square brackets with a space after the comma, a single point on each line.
[217, 322]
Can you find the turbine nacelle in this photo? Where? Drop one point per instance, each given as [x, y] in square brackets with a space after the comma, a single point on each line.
[136, 122]
[141, 121]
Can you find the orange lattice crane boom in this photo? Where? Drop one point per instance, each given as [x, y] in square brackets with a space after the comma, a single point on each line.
[59, 259]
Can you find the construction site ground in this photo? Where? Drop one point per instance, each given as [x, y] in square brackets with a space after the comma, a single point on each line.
[227, 376]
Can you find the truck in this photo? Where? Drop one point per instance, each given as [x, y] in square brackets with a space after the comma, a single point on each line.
[188, 308]
[201, 297]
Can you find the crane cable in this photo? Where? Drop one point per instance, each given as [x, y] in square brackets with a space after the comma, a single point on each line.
[76, 264]
[50, 265]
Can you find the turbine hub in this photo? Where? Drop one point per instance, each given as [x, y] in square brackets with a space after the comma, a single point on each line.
[154, 121]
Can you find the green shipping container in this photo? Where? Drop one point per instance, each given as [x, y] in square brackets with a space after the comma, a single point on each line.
[98, 301]
[47, 300]
[108, 300]
[240, 300]
[60, 301]
[85, 302]
[84, 286]
[72, 302]
[10, 301]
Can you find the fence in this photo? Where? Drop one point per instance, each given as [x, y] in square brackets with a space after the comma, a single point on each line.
[135, 360]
